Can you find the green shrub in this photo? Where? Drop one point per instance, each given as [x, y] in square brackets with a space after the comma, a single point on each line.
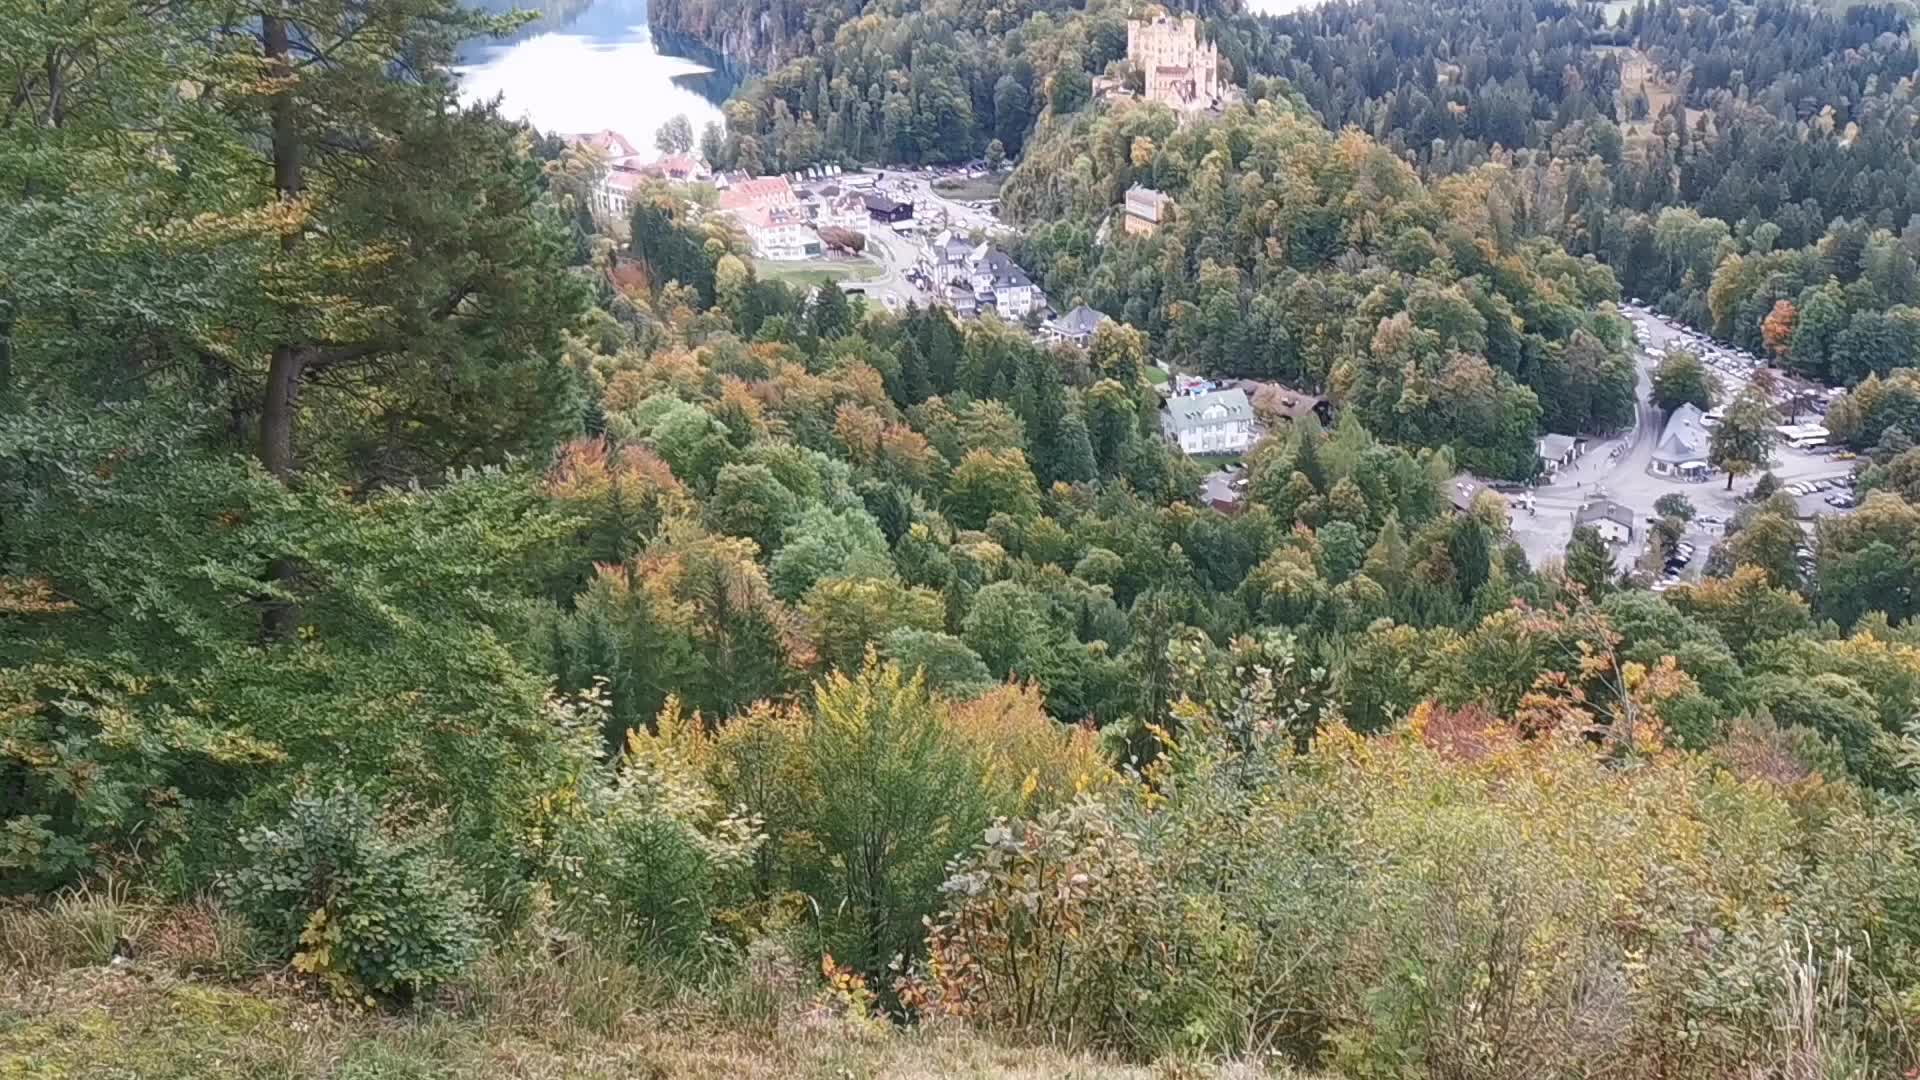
[372, 912]
[1043, 929]
[648, 855]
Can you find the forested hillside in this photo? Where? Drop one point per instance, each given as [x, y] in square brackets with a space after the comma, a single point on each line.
[932, 82]
[1720, 158]
[1325, 262]
[444, 631]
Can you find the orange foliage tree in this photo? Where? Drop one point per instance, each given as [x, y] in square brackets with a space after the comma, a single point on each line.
[1777, 328]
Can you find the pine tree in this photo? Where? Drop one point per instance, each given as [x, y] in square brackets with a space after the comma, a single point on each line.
[1075, 464]
[915, 384]
[1589, 562]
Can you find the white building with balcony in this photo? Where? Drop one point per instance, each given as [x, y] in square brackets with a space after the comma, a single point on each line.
[1219, 422]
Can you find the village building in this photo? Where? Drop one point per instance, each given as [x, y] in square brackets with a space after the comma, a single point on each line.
[1463, 490]
[1145, 211]
[1682, 451]
[1283, 404]
[1216, 422]
[1225, 489]
[678, 167]
[1076, 327]
[613, 147]
[990, 280]
[771, 215]
[780, 234]
[613, 195]
[765, 192]
[887, 210]
[947, 258]
[1611, 520]
[999, 283]
[837, 209]
[1557, 451]
[959, 296]
[1179, 70]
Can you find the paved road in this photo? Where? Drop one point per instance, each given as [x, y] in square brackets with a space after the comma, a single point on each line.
[896, 255]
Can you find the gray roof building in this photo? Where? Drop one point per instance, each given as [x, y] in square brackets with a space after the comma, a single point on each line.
[1684, 439]
[1147, 204]
[1555, 448]
[1605, 510]
[960, 297]
[1005, 272]
[1078, 325]
[1201, 410]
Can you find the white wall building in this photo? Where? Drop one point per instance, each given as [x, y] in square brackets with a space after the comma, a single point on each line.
[1683, 448]
[846, 210]
[613, 195]
[772, 217]
[1220, 422]
[947, 258]
[783, 235]
[999, 281]
[1611, 520]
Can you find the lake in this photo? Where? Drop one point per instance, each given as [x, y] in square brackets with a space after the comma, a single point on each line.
[590, 64]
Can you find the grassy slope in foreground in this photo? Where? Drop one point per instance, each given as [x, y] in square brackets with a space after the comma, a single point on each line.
[134, 1023]
[195, 1005]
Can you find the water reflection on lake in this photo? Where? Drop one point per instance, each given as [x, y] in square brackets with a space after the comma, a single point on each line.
[590, 65]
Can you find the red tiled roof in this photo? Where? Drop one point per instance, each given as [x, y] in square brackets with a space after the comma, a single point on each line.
[608, 140]
[766, 217]
[762, 191]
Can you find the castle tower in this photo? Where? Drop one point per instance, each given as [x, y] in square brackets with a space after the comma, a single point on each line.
[1177, 67]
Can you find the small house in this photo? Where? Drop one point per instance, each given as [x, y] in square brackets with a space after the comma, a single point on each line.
[1611, 520]
[1683, 448]
[1076, 327]
[1557, 451]
[886, 209]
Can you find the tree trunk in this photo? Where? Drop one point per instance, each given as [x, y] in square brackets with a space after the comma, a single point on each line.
[282, 398]
[280, 619]
[1729, 479]
[277, 410]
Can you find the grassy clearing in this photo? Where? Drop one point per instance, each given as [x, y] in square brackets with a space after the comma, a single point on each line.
[196, 1003]
[1157, 376]
[965, 188]
[816, 272]
[144, 1026]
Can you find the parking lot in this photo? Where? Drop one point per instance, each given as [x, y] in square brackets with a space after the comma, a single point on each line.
[1616, 468]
